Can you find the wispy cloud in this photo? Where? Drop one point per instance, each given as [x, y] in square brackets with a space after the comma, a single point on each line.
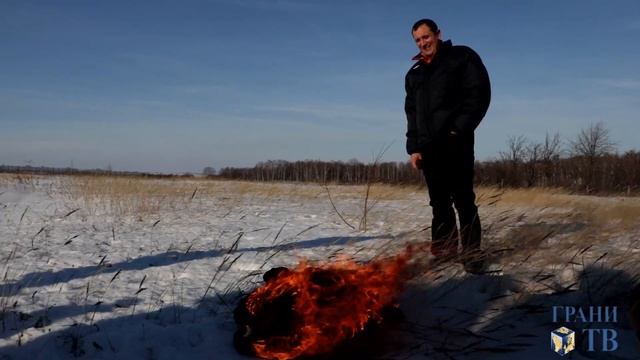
[201, 89]
[282, 5]
[155, 61]
[628, 84]
[376, 75]
[633, 24]
[332, 112]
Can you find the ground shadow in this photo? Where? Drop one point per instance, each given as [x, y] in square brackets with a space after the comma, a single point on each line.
[14, 321]
[163, 333]
[466, 318]
[45, 278]
[461, 317]
[524, 237]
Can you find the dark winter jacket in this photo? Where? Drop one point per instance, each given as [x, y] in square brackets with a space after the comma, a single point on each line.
[452, 93]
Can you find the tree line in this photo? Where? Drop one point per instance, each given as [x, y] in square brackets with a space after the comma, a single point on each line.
[589, 163]
[47, 170]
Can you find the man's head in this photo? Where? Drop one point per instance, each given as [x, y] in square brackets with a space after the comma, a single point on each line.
[426, 34]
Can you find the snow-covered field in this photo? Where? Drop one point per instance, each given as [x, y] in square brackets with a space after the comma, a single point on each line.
[117, 268]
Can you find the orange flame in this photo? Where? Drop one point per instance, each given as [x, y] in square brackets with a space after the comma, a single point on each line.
[349, 296]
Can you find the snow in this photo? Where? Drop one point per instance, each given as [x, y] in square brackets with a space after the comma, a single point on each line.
[82, 278]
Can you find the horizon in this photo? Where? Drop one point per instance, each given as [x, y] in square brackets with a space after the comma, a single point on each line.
[175, 88]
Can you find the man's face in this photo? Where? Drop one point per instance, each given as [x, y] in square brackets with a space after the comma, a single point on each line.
[426, 40]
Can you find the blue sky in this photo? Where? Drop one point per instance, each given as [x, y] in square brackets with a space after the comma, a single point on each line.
[174, 86]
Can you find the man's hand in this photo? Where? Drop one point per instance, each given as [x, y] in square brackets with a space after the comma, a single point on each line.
[416, 160]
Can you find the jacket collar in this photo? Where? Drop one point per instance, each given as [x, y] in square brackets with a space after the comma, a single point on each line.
[442, 45]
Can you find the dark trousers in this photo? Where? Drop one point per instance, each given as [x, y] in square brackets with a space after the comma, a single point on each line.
[447, 165]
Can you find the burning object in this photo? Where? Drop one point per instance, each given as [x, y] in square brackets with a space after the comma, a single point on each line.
[311, 310]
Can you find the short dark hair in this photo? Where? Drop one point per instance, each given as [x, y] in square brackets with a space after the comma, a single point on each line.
[430, 23]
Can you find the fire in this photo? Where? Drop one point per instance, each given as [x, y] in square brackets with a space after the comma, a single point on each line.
[326, 304]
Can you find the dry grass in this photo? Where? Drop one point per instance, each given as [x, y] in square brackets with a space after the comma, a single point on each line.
[381, 191]
[128, 195]
[137, 195]
[262, 190]
[10, 179]
[556, 230]
[305, 191]
[315, 191]
[598, 211]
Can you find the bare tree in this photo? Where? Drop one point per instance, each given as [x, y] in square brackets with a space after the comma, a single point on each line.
[590, 145]
[541, 165]
[593, 141]
[514, 156]
[551, 147]
[208, 171]
[516, 149]
[532, 153]
[549, 156]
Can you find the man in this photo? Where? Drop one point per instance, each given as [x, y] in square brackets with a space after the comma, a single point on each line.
[447, 95]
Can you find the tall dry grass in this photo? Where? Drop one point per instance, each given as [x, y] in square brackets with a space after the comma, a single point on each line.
[597, 211]
[138, 195]
[12, 179]
[128, 195]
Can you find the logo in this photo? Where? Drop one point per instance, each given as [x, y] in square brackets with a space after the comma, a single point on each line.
[563, 340]
[597, 334]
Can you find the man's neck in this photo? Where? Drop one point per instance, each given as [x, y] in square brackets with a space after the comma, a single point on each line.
[429, 59]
